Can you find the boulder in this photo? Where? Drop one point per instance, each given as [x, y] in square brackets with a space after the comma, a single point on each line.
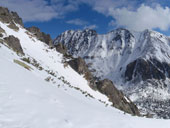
[14, 43]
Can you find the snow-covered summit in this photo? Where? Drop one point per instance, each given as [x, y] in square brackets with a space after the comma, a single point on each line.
[115, 49]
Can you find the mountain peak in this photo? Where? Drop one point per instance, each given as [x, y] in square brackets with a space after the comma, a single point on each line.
[131, 60]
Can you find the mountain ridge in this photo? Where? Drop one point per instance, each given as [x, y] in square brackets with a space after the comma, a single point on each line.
[131, 60]
[14, 39]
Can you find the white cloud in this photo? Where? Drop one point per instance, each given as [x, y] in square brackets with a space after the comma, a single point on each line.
[80, 22]
[77, 22]
[132, 14]
[39, 10]
[91, 26]
[144, 17]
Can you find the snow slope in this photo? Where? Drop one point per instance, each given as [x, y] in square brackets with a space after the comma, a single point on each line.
[28, 101]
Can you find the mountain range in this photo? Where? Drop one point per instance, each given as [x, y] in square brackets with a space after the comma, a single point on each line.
[82, 79]
[138, 63]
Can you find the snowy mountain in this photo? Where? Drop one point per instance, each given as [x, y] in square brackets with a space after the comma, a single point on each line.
[38, 89]
[137, 62]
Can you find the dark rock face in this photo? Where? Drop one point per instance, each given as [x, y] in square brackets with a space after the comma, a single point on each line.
[116, 97]
[1, 32]
[16, 18]
[61, 48]
[79, 65]
[9, 17]
[162, 66]
[14, 43]
[141, 69]
[41, 35]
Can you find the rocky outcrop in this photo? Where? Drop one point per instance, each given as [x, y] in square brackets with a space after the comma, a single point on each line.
[14, 43]
[1, 32]
[41, 35]
[141, 69]
[17, 19]
[79, 65]
[61, 48]
[10, 17]
[117, 97]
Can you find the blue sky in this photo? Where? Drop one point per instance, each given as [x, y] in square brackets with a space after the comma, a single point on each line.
[86, 17]
[56, 16]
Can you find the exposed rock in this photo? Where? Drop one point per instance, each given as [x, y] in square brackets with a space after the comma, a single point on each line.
[162, 66]
[5, 15]
[141, 69]
[14, 43]
[61, 48]
[16, 18]
[79, 65]
[1, 41]
[117, 97]
[1, 35]
[10, 17]
[13, 26]
[1, 32]
[41, 35]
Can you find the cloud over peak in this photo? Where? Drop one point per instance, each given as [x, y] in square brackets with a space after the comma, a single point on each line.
[144, 17]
